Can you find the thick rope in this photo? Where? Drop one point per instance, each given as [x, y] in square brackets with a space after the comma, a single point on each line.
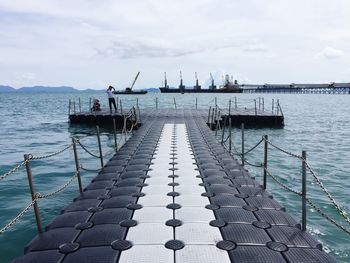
[86, 150]
[31, 157]
[18, 217]
[43, 196]
[12, 171]
[329, 195]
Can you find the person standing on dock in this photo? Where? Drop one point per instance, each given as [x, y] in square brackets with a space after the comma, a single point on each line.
[111, 99]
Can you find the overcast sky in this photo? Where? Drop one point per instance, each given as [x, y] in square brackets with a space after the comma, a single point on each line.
[94, 43]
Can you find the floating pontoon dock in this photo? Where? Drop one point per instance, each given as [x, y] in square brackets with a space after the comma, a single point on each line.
[173, 194]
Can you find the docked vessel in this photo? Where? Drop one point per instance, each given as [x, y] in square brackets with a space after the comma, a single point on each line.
[129, 91]
[227, 87]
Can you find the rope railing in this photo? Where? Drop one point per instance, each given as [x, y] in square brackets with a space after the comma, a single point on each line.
[87, 150]
[284, 151]
[12, 171]
[18, 217]
[328, 218]
[130, 117]
[286, 187]
[306, 167]
[50, 154]
[60, 189]
[328, 194]
[89, 169]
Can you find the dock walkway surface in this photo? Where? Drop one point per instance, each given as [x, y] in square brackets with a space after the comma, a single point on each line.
[173, 194]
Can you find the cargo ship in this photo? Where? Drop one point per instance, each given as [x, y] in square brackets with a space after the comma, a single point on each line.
[227, 87]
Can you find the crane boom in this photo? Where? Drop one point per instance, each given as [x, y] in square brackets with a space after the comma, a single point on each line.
[133, 83]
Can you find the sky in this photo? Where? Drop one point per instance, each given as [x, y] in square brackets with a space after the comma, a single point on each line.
[94, 43]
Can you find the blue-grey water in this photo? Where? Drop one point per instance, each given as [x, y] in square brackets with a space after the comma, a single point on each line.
[38, 124]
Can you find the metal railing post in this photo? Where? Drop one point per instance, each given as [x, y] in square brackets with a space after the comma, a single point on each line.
[99, 144]
[90, 108]
[263, 104]
[121, 107]
[255, 106]
[217, 124]
[156, 103]
[69, 107]
[115, 136]
[79, 105]
[223, 130]
[212, 118]
[259, 102]
[265, 161]
[242, 129]
[196, 103]
[278, 107]
[209, 114]
[139, 113]
[32, 192]
[77, 166]
[229, 108]
[230, 135]
[273, 105]
[235, 102]
[175, 104]
[74, 106]
[303, 192]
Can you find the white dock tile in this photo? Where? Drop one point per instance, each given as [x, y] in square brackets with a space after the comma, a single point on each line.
[156, 189]
[191, 200]
[153, 215]
[155, 200]
[147, 254]
[185, 189]
[201, 254]
[150, 233]
[198, 233]
[194, 214]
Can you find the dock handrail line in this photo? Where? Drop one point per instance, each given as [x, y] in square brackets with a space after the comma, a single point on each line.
[12, 171]
[341, 212]
[58, 190]
[29, 157]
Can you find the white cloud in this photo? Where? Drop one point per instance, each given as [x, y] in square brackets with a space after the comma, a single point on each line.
[84, 43]
[330, 53]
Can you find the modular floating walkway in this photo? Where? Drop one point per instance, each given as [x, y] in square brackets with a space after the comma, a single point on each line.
[173, 194]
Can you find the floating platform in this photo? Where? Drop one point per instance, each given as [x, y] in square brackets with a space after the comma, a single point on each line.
[250, 117]
[173, 194]
[102, 118]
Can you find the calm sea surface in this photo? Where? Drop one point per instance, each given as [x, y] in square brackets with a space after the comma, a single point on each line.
[38, 124]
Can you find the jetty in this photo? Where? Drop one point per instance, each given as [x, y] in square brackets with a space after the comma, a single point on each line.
[173, 193]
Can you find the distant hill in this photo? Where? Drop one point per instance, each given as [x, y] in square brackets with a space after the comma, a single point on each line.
[152, 90]
[37, 89]
[6, 89]
[61, 89]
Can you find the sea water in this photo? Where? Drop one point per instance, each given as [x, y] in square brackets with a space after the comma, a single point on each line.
[38, 124]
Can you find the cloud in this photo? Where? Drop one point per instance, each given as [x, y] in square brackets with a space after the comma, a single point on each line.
[256, 48]
[130, 48]
[330, 53]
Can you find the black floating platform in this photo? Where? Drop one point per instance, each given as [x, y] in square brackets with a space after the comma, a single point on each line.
[101, 118]
[238, 116]
[173, 194]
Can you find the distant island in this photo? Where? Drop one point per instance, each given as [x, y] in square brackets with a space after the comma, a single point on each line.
[46, 89]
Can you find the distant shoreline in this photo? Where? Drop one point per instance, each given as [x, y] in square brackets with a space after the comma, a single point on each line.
[61, 89]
